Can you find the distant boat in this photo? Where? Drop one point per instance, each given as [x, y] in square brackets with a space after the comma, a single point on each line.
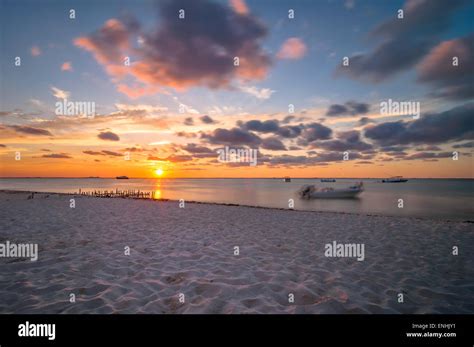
[122, 177]
[395, 179]
[328, 180]
[311, 192]
[287, 179]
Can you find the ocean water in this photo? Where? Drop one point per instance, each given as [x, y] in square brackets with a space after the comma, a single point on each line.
[426, 198]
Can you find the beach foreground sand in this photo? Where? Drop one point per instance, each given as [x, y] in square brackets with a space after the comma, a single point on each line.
[191, 251]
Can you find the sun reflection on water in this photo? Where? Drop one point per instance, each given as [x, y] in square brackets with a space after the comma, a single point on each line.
[156, 194]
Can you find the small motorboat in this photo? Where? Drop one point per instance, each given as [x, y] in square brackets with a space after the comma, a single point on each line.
[122, 177]
[395, 179]
[328, 180]
[311, 192]
[287, 179]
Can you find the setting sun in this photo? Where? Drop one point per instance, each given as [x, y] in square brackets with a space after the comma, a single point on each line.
[159, 172]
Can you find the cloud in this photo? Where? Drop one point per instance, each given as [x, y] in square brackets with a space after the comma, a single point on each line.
[347, 140]
[66, 66]
[141, 107]
[352, 140]
[273, 144]
[196, 149]
[309, 132]
[293, 48]
[35, 51]
[288, 119]
[134, 149]
[24, 129]
[437, 69]
[111, 153]
[239, 6]
[107, 43]
[289, 159]
[465, 145]
[207, 120]
[186, 134]
[429, 148]
[59, 93]
[404, 41]
[199, 53]
[108, 136]
[339, 145]
[267, 126]
[315, 131]
[103, 152]
[428, 155]
[136, 91]
[57, 156]
[365, 121]
[185, 108]
[234, 136]
[301, 160]
[451, 125]
[37, 103]
[188, 121]
[92, 153]
[350, 108]
[179, 158]
[290, 131]
[262, 94]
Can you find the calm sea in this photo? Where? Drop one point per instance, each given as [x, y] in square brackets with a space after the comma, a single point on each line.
[432, 198]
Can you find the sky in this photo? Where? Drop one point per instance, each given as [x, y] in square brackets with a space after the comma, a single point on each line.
[305, 93]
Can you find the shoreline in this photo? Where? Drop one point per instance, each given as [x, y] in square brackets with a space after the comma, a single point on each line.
[241, 205]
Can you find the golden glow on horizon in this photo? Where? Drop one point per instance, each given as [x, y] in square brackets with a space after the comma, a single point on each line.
[32, 164]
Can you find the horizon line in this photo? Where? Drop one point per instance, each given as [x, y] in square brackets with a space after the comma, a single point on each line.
[274, 177]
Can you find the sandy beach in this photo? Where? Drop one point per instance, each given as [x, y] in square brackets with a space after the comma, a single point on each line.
[191, 251]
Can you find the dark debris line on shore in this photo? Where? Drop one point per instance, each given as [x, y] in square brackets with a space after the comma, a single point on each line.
[136, 194]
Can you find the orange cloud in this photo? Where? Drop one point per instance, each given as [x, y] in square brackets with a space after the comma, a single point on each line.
[451, 80]
[107, 43]
[239, 6]
[35, 51]
[66, 66]
[439, 59]
[293, 48]
[136, 92]
[182, 56]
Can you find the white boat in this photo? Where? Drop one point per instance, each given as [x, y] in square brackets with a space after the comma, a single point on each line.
[311, 192]
[395, 179]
